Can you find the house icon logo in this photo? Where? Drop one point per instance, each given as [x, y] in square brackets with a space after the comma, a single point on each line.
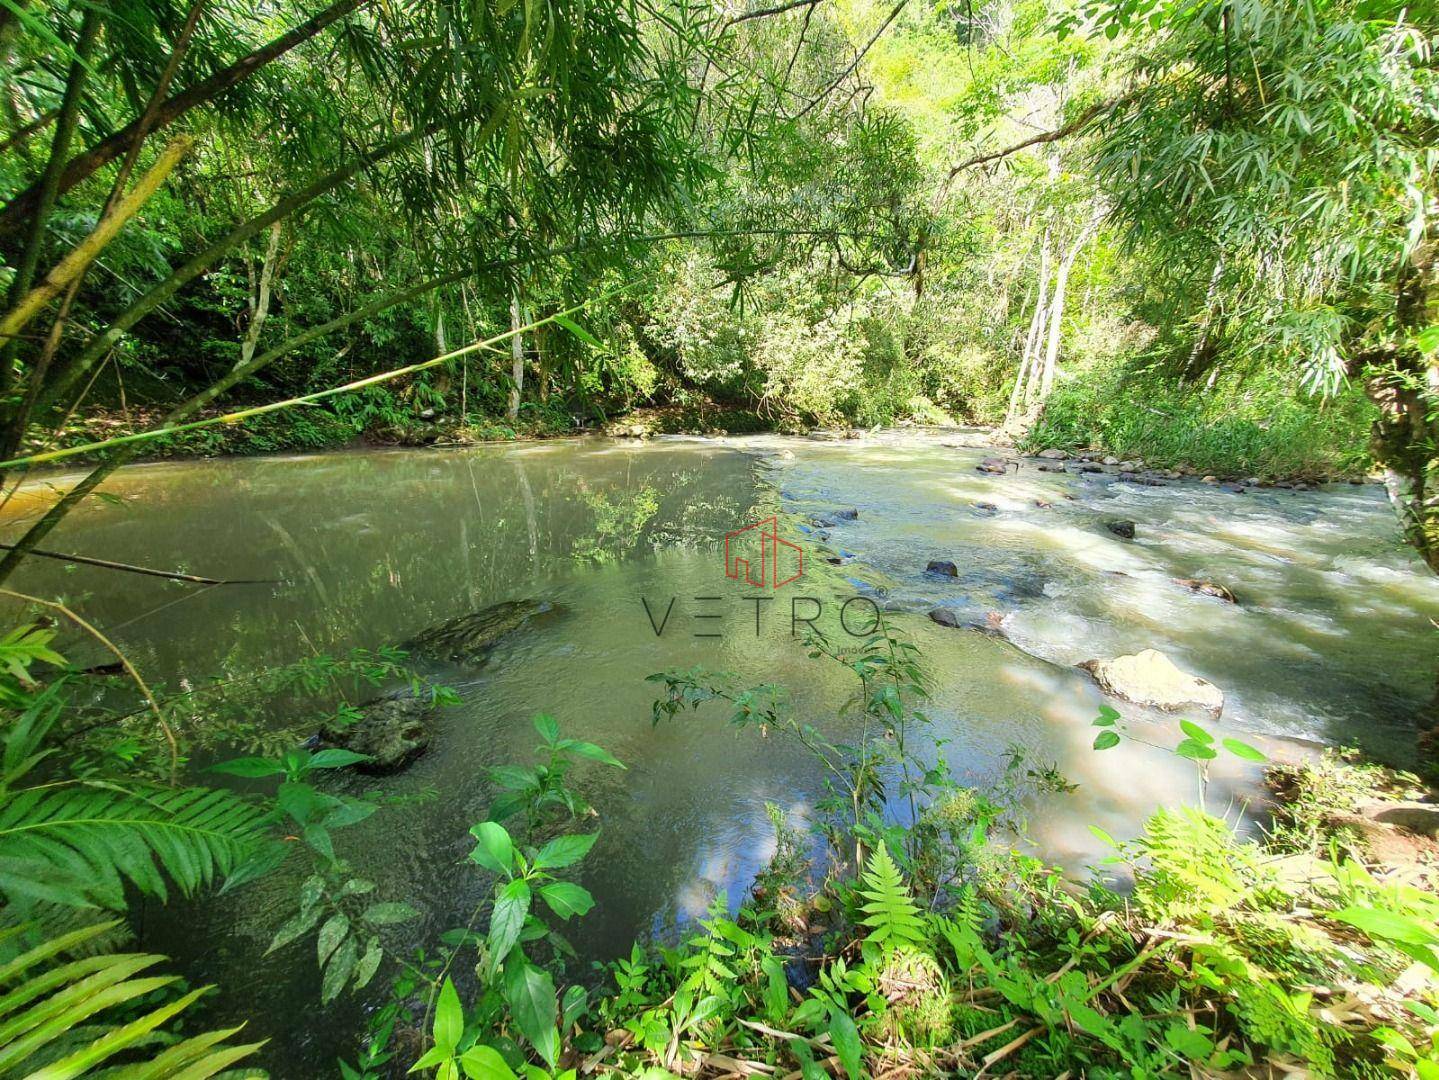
[759, 545]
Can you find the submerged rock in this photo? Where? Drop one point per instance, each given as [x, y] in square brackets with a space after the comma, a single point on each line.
[986, 507]
[392, 731]
[472, 636]
[992, 623]
[1206, 588]
[942, 566]
[997, 466]
[1047, 466]
[1151, 678]
[1122, 529]
[848, 513]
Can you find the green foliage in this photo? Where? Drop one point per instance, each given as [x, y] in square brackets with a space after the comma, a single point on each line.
[1259, 427]
[99, 1016]
[889, 910]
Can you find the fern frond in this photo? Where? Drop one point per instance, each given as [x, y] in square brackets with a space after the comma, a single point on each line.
[890, 911]
[78, 844]
[44, 1002]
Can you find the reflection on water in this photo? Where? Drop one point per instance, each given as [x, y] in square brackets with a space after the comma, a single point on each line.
[1329, 641]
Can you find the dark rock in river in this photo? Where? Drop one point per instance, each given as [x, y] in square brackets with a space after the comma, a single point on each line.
[1046, 466]
[995, 465]
[847, 513]
[986, 507]
[1206, 588]
[470, 637]
[942, 566]
[392, 731]
[991, 624]
[1122, 529]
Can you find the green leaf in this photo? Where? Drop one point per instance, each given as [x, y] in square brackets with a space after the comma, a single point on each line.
[485, 1063]
[1103, 836]
[579, 331]
[339, 969]
[507, 920]
[565, 850]
[845, 1037]
[547, 727]
[336, 759]
[589, 750]
[531, 996]
[388, 914]
[494, 850]
[369, 963]
[566, 898]
[1106, 739]
[1195, 732]
[1244, 750]
[336, 928]
[1108, 716]
[1387, 925]
[301, 924]
[449, 1022]
[1195, 751]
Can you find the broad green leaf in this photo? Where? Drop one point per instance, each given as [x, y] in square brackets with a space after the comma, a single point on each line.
[387, 914]
[547, 727]
[847, 1046]
[589, 750]
[485, 1063]
[339, 969]
[336, 759]
[331, 934]
[1103, 836]
[369, 963]
[1106, 739]
[296, 927]
[566, 898]
[1108, 716]
[1195, 732]
[449, 1022]
[1244, 750]
[1195, 750]
[565, 850]
[1387, 925]
[494, 850]
[507, 920]
[531, 996]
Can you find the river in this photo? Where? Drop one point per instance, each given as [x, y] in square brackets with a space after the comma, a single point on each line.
[1330, 642]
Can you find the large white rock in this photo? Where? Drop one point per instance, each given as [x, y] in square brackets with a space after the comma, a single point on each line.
[1150, 678]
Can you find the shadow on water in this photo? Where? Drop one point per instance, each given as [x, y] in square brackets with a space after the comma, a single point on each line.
[1329, 641]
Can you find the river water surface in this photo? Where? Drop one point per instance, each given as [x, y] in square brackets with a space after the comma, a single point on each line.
[1331, 642]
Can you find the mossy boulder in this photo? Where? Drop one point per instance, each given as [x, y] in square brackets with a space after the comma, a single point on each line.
[469, 638]
[392, 731]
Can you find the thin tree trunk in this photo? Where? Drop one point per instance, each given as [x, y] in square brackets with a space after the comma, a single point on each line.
[25, 205]
[1056, 314]
[47, 188]
[517, 358]
[260, 302]
[1041, 317]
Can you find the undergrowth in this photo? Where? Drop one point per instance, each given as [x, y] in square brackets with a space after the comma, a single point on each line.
[1263, 428]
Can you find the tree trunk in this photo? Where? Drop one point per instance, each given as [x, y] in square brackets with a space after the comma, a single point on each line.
[260, 302]
[1041, 315]
[1056, 308]
[517, 358]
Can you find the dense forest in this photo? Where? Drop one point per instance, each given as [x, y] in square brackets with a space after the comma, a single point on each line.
[1170, 239]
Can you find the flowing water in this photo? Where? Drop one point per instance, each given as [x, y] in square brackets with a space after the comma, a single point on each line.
[1330, 642]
